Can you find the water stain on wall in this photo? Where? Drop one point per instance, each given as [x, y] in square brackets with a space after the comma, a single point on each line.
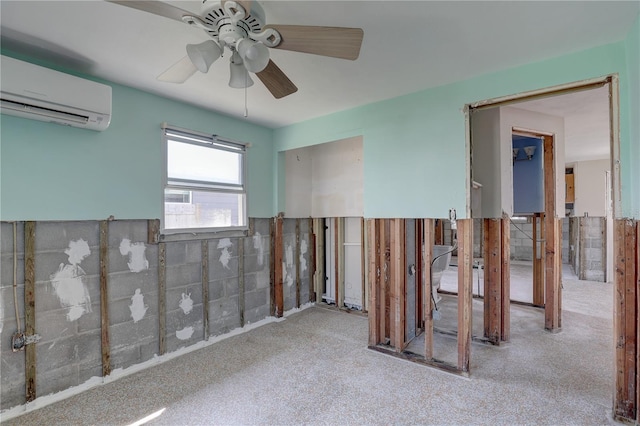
[69, 282]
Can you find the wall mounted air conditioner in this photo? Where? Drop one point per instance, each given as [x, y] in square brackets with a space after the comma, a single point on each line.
[39, 93]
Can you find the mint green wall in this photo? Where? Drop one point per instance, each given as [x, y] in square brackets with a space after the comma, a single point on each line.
[632, 45]
[53, 172]
[414, 145]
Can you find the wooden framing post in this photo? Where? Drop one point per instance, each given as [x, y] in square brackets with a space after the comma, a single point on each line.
[383, 320]
[398, 275]
[493, 279]
[319, 277]
[278, 276]
[373, 230]
[538, 259]
[626, 318]
[162, 298]
[505, 327]
[272, 267]
[241, 285]
[465, 296]
[312, 260]
[428, 240]
[297, 262]
[30, 308]
[104, 298]
[637, 268]
[553, 243]
[204, 255]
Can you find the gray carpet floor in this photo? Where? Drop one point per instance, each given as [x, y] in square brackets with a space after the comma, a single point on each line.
[314, 368]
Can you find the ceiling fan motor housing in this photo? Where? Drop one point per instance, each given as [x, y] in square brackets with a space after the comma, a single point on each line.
[214, 14]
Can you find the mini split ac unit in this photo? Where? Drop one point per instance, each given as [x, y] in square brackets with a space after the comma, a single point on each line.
[39, 93]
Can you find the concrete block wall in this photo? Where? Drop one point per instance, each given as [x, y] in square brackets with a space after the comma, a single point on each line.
[592, 251]
[67, 297]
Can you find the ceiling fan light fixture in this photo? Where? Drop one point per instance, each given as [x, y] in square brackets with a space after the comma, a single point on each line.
[240, 78]
[204, 54]
[255, 55]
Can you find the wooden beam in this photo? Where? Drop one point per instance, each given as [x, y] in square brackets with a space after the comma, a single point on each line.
[204, 256]
[104, 298]
[637, 269]
[505, 310]
[625, 319]
[162, 298]
[383, 321]
[363, 257]
[465, 296]
[492, 279]
[30, 308]
[153, 231]
[439, 232]
[279, 276]
[320, 281]
[312, 260]
[397, 275]
[373, 229]
[428, 240]
[241, 286]
[297, 262]
[553, 244]
[272, 267]
[538, 259]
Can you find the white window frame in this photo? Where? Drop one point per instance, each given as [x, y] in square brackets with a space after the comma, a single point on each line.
[215, 142]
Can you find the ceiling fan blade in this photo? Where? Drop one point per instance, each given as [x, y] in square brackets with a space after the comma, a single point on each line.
[155, 7]
[246, 4]
[276, 81]
[337, 42]
[179, 72]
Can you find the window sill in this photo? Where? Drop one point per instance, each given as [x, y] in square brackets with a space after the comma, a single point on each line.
[184, 235]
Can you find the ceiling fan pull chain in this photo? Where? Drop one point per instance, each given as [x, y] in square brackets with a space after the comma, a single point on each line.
[246, 109]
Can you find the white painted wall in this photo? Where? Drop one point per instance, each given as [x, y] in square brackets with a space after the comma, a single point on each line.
[511, 117]
[325, 180]
[591, 187]
[485, 162]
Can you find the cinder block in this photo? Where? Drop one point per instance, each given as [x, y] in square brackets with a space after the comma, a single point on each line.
[224, 325]
[6, 237]
[52, 381]
[232, 287]
[250, 282]
[175, 296]
[56, 236]
[149, 350]
[262, 225]
[593, 254]
[174, 343]
[6, 270]
[176, 253]
[122, 285]
[194, 252]
[133, 334]
[216, 289]
[177, 319]
[69, 350]
[125, 356]
[224, 307]
[289, 226]
[120, 311]
[89, 370]
[223, 262]
[54, 325]
[256, 314]
[90, 322]
[256, 299]
[133, 230]
[7, 305]
[181, 275]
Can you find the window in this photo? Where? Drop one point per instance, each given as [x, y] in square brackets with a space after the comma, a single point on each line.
[204, 186]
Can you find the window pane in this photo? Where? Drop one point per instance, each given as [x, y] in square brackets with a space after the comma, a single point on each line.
[202, 163]
[207, 209]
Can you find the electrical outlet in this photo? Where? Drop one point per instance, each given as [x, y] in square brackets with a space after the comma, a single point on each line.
[17, 342]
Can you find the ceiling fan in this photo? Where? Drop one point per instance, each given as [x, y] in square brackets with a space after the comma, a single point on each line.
[240, 27]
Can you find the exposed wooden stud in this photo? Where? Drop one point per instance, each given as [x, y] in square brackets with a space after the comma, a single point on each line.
[363, 257]
[272, 267]
[252, 227]
[397, 275]
[30, 308]
[428, 230]
[241, 286]
[538, 259]
[279, 284]
[204, 256]
[625, 318]
[637, 269]
[439, 232]
[465, 296]
[104, 298]
[505, 332]
[492, 279]
[320, 275]
[553, 244]
[373, 229]
[162, 297]
[312, 260]
[153, 231]
[297, 262]
[383, 320]
[419, 234]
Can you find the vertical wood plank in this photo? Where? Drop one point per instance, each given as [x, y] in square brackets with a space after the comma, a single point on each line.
[279, 284]
[104, 298]
[631, 317]
[428, 240]
[204, 256]
[465, 296]
[619, 311]
[320, 258]
[383, 300]
[397, 284]
[505, 333]
[439, 232]
[297, 262]
[558, 271]
[492, 279]
[363, 257]
[419, 274]
[241, 285]
[553, 247]
[312, 260]
[162, 297]
[637, 278]
[374, 281]
[153, 231]
[30, 308]
[272, 266]
[538, 260]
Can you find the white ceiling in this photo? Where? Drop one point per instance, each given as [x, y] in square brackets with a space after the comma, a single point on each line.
[586, 122]
[408, 46]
